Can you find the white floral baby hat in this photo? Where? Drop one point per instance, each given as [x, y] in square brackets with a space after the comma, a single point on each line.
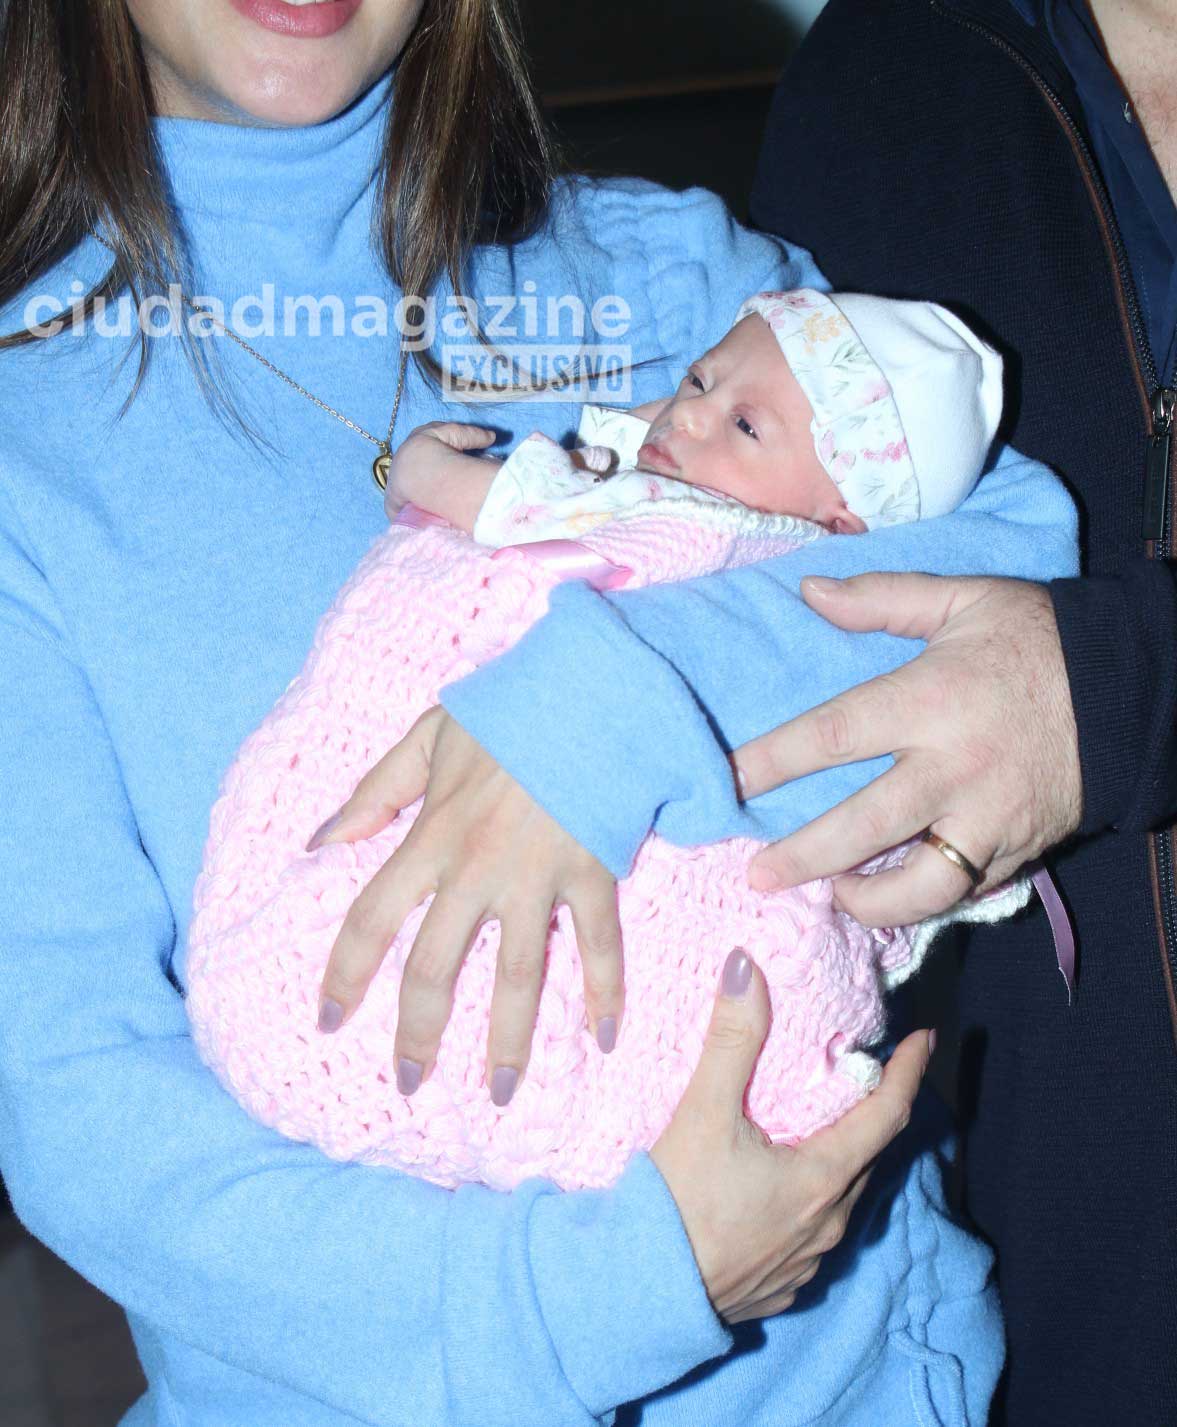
[905, 397]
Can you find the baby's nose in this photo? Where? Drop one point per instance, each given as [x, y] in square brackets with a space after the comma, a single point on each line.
[692, 417]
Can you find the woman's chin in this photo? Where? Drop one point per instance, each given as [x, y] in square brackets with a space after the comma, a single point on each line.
[280, 95]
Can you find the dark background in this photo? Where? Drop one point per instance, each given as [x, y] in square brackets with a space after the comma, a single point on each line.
[674, 90]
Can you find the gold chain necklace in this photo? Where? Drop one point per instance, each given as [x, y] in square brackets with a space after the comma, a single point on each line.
[383, 460]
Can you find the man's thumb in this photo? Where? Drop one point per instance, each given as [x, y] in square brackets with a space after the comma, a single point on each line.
[911, 606]
[739, 1024]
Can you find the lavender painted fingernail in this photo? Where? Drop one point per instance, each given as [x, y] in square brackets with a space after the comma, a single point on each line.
[323, 831]
[330, 1016]
[502, 1084]
[737, 973]
[408, 1075]
[607, 1033]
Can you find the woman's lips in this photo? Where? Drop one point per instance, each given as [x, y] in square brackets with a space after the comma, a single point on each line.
[653, 457]
[302, 21]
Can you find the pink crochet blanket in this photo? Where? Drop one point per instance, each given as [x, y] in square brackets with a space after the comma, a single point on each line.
[423, 608]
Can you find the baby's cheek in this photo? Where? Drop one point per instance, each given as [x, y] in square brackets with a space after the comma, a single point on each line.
[800, 486]
[716, 471]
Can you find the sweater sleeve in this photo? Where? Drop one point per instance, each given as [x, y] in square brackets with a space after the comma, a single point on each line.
[676, 267]
[1118, 634]
[650, 690]
[361, 1288]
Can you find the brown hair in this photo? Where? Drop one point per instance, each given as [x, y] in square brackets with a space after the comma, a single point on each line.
[468, 156]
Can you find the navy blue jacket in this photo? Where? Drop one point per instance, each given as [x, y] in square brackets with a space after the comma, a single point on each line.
[935, 149]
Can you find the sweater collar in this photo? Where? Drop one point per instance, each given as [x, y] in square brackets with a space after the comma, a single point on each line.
[313, 175]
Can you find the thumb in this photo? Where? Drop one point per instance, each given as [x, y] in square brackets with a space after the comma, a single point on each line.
[597, 459]
[397, 780]
[739, 1024]
[460, 437]
[861, 1135]
[911, 606]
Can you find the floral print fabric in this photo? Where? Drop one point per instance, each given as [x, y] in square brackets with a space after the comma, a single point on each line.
[543, 492]
[857, 430]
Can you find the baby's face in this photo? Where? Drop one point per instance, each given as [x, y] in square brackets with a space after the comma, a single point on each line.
[739, 424]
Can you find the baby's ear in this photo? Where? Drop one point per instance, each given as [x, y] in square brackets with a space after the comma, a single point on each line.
[845, 522]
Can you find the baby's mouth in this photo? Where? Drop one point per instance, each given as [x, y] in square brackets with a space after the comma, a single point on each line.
[656, 458]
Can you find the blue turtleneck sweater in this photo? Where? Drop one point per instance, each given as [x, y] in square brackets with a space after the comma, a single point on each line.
[160, 580]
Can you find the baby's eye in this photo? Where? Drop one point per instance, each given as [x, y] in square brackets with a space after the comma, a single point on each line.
[693, 379]
[746, 427]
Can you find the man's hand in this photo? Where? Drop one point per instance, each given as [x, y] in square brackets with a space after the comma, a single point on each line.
[981, 728]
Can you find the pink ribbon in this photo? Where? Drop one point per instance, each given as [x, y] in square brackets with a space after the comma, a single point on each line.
[416, 518]
[567, 559]
[570, 560]
[1060, 926]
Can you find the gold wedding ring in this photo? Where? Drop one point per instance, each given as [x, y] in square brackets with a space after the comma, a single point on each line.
[955, 856]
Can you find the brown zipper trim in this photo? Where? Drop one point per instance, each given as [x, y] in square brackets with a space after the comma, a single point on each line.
[1094, 192]
[1154, 841]
[1166, 969]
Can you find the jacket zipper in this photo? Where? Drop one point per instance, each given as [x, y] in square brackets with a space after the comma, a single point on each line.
[1162, 845]
[1156, 467]
[1160, 487]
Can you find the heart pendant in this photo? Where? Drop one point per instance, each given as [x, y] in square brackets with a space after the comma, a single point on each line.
[380, 469]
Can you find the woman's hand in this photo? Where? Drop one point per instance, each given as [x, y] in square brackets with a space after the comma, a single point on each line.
[981, 728]
[759, 1216]
[489, 853]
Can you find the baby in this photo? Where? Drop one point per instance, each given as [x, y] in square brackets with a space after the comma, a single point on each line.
[814, 415]
[816, 407]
